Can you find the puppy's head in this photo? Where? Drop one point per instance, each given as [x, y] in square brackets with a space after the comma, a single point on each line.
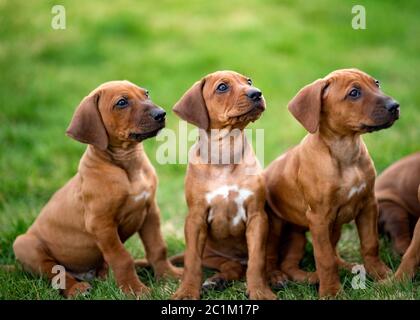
[219, 100]
[346, 101]
[116, 113]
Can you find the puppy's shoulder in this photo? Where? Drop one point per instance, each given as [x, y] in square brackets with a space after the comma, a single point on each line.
[103, 180]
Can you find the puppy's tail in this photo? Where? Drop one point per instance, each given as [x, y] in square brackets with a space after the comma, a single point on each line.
[141, 263]
[177, 259]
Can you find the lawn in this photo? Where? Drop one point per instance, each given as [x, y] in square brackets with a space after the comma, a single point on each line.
[165, 46]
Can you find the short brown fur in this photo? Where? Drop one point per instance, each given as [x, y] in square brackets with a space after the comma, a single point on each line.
[113, 195]
[328, 179]
[213, 239]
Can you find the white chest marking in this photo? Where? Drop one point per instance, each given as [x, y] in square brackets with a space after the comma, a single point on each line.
[356, 190]
[223, 191]
[211, 216]
[142, 196]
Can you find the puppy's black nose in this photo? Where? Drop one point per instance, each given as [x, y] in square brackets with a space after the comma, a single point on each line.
[392, 106]
[254, 94]
[158, 114]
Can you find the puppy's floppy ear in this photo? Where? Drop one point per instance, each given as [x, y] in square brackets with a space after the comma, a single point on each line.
[86, 125]
[192, 107]
[306, 105]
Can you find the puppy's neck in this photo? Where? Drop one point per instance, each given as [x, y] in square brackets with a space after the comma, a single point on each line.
[222, 147]
[126, 158]
[346, 148]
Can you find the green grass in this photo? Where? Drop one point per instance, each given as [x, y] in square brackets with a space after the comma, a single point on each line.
[165, 46]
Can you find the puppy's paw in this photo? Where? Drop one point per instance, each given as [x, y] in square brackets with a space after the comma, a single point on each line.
[406, 271]
[215, 283]
[312, 277]
[102, 272]
[388, 282]
[171, 272]
[79, 288]
[261, 293]
[330, 291]
[184, 293]
[138, 289]
[378, 270]
[278, 280]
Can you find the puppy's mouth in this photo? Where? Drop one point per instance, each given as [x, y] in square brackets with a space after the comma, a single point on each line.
[253, 112]
[369, 128]
[140, 136]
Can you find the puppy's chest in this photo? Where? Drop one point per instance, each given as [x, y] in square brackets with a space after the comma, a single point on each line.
[353, 189]
[228, 209]
[139, 196]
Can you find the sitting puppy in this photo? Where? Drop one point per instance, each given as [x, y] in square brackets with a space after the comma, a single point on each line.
[226, 226]
[328, 179]
[84, 225]
[399, 210]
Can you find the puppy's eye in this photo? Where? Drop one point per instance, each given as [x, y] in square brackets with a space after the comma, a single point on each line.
[147, 93]
[355, 93]
[249, 82]
[377, 83]
[122, 103]
[222, 87]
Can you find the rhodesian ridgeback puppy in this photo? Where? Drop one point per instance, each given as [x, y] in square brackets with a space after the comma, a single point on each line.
[399, 210]
[328, 179]
[226, 226]
[112, 196]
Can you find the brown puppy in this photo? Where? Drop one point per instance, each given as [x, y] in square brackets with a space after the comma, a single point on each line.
[328, 179]
[411, 258]
[84, 225]
[226, 226]
[399, 210]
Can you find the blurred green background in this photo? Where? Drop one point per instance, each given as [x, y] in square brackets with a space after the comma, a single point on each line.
[165, 46]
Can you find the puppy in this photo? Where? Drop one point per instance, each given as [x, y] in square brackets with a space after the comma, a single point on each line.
[226, 226]
[112, 196]
[328, 179]
[399, 210]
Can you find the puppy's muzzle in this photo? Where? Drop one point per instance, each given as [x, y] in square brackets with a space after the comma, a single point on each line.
[159, 115]
[386, 114]
[255, 95]
[153, 125]
[393, 108]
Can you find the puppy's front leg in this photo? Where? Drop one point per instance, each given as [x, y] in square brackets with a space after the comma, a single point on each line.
[155, 247]
[195, 238]
[395, 221]
[325, 257]
[276, 277]
[256, 238]
[273, 240]
[106, 235]
[367, 227]
[411, 258]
